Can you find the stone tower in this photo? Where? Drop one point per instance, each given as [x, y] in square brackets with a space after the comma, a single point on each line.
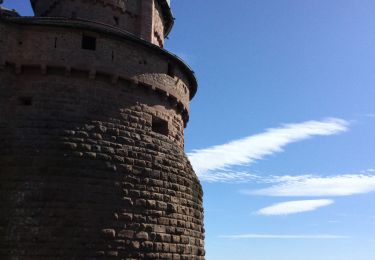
[92, 117]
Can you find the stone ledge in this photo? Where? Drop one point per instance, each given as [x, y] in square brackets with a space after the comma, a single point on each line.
[109, 30]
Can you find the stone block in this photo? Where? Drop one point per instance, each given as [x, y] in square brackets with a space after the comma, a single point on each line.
[142, 235]
[108, 233]
[126, 234]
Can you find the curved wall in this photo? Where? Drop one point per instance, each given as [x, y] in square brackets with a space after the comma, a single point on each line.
[145, 19]
[158, 25]
[56, 47]
[83, 174]
[87, 170]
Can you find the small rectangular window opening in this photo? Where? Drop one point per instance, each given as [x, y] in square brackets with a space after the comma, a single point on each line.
[88, 42]
[117, 21]
[160, 126]
[55, 42]
[170, 70]
[25, 101]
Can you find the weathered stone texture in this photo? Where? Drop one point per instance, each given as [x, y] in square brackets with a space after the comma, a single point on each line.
[81, 176]
[144, 18]
[92, 164]
[60, 47]
[158, 25]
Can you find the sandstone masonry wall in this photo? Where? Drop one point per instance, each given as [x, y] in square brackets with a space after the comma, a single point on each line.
[92, 162]
[84, 177]
[60, 47]
[143, 18]
[158, 26]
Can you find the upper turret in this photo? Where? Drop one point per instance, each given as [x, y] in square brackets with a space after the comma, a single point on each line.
[150, 20]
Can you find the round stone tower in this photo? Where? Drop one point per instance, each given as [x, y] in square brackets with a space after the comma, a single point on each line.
[92, 118]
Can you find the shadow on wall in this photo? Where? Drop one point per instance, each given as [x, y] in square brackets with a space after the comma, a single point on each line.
[84, 172]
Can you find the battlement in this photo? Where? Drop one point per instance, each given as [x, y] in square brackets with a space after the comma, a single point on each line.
[150, 20]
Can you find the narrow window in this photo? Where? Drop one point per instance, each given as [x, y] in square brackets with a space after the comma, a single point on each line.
[170, 70]
[25, 101]
[113, 56]
[116, 19]
[88, 43]
[55, 42]
[160, 126]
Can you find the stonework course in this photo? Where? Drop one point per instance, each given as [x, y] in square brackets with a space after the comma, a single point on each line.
[92, 118]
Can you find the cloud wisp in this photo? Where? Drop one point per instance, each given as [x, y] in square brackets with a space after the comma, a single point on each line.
[246, 151]
[228, 176]
[272, 236]
[294, 207]
[316, 186]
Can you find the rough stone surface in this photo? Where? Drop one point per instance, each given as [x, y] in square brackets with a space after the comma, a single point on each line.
[143, 18]
[92, 164]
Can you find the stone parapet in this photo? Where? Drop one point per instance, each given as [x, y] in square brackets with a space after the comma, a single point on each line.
[117, 55]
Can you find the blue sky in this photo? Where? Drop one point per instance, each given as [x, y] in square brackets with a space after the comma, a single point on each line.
[281, 131]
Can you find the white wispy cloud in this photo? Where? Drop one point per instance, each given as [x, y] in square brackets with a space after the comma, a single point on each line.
[370, 115]
[272, 236]
[228, 176]
[294, 207]
[316, 186]
[246, 151]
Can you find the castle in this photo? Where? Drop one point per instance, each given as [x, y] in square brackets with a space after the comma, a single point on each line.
[92, 118]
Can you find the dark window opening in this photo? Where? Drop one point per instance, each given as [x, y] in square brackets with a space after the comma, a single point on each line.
[142, 62]
[160, 126]
[113, 56]
[170, 70]
[25, 101]
[88, 43]
[117, 21]
[55, 42]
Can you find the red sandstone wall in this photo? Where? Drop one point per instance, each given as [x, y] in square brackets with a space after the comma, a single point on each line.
[61, 47]
[83, 175]
[84, 172]
[143, 18]
[158, 26]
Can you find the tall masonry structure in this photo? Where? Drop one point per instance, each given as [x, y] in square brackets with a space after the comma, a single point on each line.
[92, 118]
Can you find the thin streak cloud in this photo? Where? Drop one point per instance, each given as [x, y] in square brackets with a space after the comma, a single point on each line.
[253, 148]
[294, 207]
[229, 177]
[316, 186]
[272, 236]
